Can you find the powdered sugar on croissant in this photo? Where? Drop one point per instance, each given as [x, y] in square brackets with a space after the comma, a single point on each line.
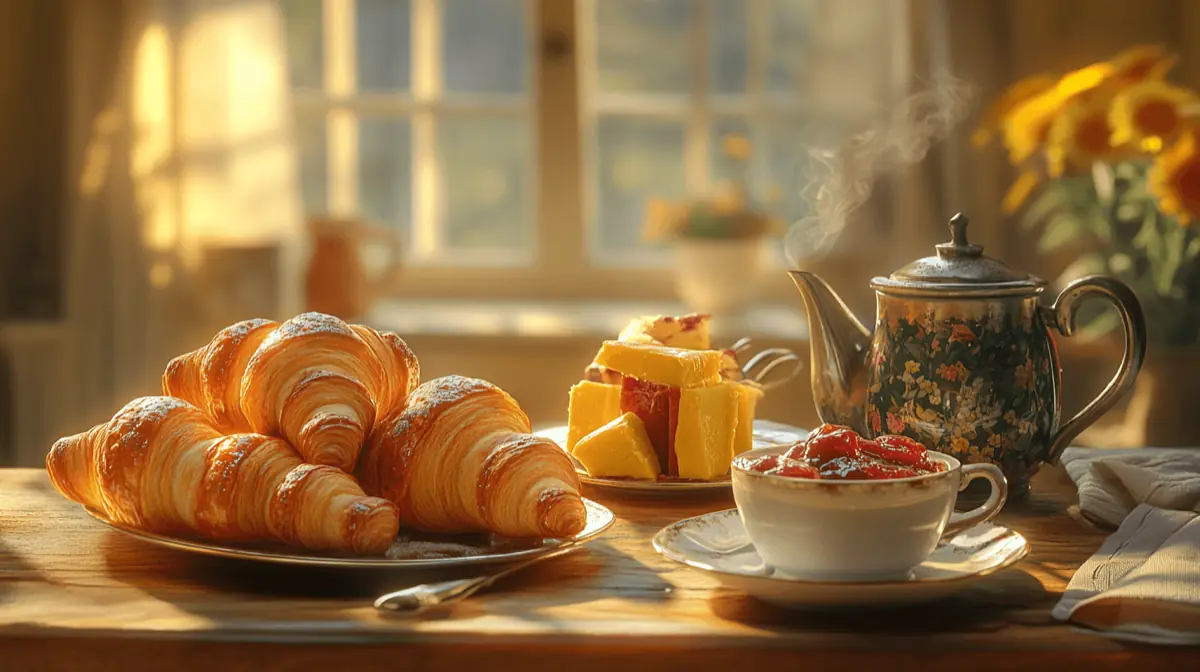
[160, 465]
[314, 380]
[460, 458]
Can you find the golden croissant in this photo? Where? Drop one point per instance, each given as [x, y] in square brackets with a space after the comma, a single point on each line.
[159, 465]
[460, 458]
[314, 380]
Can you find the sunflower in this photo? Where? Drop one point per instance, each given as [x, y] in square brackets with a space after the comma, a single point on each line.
[1149, 114]
[1175, 178]
[993, 119]
[1027, 127]
[1142, 63]
[1081, 136]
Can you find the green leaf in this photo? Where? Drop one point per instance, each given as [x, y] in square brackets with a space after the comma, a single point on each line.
[1062, 229]
[1089, 263]
[1053, 198]
[1120, 262]
[1130, 211]
[1193, 249]
[1171, 259]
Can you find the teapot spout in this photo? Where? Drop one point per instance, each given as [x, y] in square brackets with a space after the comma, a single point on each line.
[839, 346]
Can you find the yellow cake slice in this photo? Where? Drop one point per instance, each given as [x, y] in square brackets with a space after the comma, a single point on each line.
[674, 367]
[619, 449]
[591, 406]
[706, 430]
[748, 397]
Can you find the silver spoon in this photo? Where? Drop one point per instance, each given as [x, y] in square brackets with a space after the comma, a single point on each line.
[418, 599]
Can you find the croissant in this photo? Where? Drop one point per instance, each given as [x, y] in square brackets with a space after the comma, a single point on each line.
[159, 465]
[460, 458]
[314, 380]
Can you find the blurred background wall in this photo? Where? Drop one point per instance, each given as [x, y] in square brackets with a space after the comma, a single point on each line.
[164, 158]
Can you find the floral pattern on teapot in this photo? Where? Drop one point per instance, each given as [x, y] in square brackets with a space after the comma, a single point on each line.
[981, 388]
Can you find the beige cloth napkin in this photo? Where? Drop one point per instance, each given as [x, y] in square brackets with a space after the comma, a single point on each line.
[1112, 483]
[1144, 582]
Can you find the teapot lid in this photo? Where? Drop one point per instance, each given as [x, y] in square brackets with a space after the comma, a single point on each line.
[959, 269]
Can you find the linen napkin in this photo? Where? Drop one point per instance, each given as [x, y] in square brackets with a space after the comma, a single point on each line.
[1144, 582]
[1112, 483]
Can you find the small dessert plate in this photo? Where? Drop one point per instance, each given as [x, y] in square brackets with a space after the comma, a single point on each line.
[717, 543]
[766, 433]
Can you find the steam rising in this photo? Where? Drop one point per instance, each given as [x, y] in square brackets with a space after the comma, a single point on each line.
[842, 177]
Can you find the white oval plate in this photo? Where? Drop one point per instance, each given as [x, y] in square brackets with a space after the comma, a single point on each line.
[971, 555]
[408, 552]
[766, 433]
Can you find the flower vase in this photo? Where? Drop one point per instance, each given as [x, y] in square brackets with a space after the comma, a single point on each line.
[718, 276]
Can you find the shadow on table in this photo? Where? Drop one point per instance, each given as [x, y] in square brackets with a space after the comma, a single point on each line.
[1008, 598]
[184, 579]
[13, 568]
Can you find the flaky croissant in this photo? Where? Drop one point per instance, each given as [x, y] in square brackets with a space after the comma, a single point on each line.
[314, 380]
[460, 458]
[159, 465]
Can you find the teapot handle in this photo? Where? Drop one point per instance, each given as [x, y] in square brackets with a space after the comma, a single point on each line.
[1062, 317]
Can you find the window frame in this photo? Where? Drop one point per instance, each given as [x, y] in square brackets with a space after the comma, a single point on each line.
[560, 265]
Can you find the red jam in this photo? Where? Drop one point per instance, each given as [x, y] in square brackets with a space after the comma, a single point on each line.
[838, 453]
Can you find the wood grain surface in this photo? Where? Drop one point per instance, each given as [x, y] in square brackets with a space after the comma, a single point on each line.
[77, 595]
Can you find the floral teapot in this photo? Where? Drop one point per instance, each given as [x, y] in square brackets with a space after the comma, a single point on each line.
[962, 358]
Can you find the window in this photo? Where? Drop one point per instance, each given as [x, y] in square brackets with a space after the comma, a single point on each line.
[514, 166]
[667, 80]
[418, 114]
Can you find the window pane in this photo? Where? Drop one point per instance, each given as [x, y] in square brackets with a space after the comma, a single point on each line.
[486, 170]
[727, 57]
[637, 159]
[382, 45]
[485, 47]
[385, 171]
[789, 165]
[643, 45]
[305, 42]
[310, 141]
[790, 22]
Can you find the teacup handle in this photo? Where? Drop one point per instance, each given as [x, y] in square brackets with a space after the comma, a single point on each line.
[986, 511]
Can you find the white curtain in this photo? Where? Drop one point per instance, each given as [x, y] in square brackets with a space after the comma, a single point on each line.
[184, 210]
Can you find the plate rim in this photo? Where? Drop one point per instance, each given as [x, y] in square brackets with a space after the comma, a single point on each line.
[368, 562]
[667, 553]
[630, 485]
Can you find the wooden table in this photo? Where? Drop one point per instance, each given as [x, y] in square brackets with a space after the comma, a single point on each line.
[74, 594]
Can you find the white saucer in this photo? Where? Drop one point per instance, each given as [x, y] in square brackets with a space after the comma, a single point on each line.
[766, 433]
[955, 565]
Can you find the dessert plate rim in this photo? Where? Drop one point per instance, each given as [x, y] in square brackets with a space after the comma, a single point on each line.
[766, 433]
[599, 519]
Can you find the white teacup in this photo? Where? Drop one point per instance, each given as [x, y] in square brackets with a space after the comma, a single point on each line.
[852, 530]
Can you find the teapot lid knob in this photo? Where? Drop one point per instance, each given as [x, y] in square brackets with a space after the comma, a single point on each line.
[958, 245]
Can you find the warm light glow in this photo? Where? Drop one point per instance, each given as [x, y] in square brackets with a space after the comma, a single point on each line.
[541, 324]
[213, 161]
[237, 163]
[150, 156]
[97, 158]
